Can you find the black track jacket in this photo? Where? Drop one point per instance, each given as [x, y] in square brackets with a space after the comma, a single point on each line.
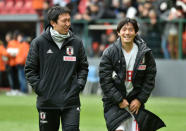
[56, 75]
[114, 89]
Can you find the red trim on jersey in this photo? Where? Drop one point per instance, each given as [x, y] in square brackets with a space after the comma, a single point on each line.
[137, 128]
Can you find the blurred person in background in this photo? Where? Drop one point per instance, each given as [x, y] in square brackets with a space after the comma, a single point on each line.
[153, 25]
[8, 37]
[82, 9]
[114, 5]
[162, 6]
[131, 11]
[146, 8]
[123, 8]
[96, 10]
[140, 10]
[170, 11]
[46, 6]
[127, 76]
[20, 60]
[57, 69]
[143, 14]
[73, 6]
[12, 50]
[163, 12]
[184, 43]
[182, 3]
[153, 36]
[79, 27]
[3, 60]
[107, 39]
[175, 13]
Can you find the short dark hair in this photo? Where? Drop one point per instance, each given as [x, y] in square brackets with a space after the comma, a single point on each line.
[126, 21]
[55, 11]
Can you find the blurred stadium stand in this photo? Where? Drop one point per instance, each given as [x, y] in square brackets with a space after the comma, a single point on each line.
[16, 7]
[27, 13]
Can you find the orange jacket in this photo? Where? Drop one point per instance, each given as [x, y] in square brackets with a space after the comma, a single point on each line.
[22, 54]
[37, 4]
[12, 48]
[184, 42]
[2, 62]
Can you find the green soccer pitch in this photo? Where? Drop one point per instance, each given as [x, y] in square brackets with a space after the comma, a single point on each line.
[18, 113]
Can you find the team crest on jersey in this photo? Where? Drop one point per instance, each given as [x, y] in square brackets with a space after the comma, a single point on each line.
[70, 50]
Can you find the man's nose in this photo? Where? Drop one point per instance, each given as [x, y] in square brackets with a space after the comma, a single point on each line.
[68, 23]
[127, 32]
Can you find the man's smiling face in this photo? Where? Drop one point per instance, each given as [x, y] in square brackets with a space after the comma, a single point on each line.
[127, 33]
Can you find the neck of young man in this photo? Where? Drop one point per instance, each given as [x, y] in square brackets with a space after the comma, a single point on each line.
[127, 46]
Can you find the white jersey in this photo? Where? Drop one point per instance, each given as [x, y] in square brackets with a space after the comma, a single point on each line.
[130, 61]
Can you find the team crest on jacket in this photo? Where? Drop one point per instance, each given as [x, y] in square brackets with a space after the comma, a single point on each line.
[142, 61]
[70, 50]
[142, 65]
[43, 115]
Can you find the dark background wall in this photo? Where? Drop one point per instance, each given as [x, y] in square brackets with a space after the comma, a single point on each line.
[171, 78]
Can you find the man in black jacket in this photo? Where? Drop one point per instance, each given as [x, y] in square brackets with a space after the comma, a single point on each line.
[57, 69]
[127, 77]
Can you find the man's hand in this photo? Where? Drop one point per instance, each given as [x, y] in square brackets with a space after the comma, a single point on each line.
[124, 103]
[134, 106]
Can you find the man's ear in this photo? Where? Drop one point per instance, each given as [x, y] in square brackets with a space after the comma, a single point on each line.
[52, 23]
[136, 34]
[118, 33]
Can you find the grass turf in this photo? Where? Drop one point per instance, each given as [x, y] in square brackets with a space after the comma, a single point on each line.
[18, 113]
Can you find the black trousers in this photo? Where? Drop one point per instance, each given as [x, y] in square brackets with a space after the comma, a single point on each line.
[13, 77]
[49, 119]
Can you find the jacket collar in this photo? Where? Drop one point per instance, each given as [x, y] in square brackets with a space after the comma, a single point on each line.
[142, 45]
[119, 46]
[48, 36]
